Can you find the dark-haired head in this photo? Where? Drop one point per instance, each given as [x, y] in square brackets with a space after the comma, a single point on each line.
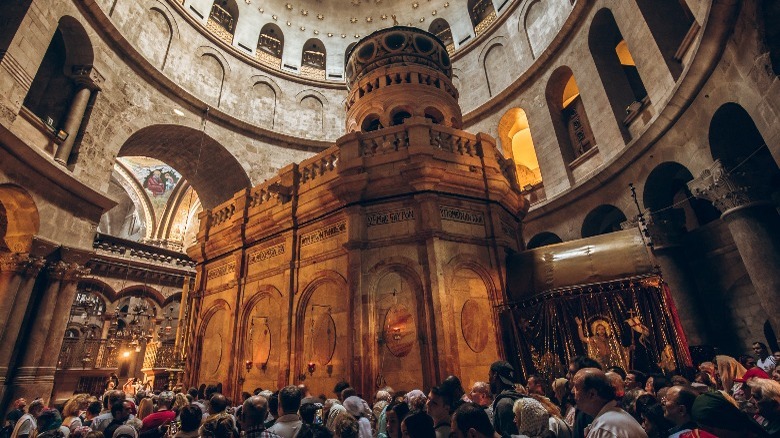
[471, 416]
[191, 416]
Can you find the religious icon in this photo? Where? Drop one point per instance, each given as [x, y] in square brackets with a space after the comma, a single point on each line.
[602, 344]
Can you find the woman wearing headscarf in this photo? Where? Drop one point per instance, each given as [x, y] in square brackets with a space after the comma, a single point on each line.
[358, 408]
[531, 418]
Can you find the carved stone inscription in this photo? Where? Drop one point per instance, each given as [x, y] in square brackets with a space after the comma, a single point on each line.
[389, 217]
[323, 233]
[265, 254]
[460, 215]
[219, 271]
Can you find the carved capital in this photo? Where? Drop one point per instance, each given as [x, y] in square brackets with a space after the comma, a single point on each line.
[13, 262]
[726, 190]
[34, 266]
[87, 76]
[67, 271]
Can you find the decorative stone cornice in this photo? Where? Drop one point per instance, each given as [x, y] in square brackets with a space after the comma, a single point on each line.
[66, 271]
[726, 190]
[13, 262]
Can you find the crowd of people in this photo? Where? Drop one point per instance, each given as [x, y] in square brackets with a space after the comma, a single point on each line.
[726, 398]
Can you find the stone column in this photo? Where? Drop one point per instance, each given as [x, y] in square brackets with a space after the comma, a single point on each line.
[35, 375]
[665, 234]
[17, 278]
[752, 220]
[87, 80]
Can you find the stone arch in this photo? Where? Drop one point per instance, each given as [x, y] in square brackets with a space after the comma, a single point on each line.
[53, 88]
[567, 111]
[103, 290]
[334, 305]
[514, 133]
[13, 16]
[401, 358]
[262, 106]
[19, 219]
[173, 298]
[669, 22]
[312, 121]
[603, 219]
[133, 201]
[141, 291]
[668, 199]
[209, 167]
[214, 350]
[543, 239]
[616, 68]
[441, 28]
[269, 365]
[538, 31]
[159, 25]
[271, 40]
[494, 63]
[220, 71]
[472, 296]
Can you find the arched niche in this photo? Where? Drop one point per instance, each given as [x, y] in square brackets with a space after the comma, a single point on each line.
[157, 37]
[19, 219]
[669, 22]
[617, 69]
[514, 132]
[602, 220]
[569, 118]
[271, 40]
[263, 337]
[399, 323]
[668, 199]
[206, 162]
[543, 239]
[323, 338]
[53, 87]
[470, 290]
[214, 341]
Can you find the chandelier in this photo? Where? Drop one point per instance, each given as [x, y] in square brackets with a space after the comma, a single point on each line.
[132, 326]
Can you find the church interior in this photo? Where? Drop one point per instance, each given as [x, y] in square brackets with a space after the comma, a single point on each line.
[262, 193]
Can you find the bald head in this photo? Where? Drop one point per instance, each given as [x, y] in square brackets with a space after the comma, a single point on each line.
[255, 411]
[217, 404]
[592, 390]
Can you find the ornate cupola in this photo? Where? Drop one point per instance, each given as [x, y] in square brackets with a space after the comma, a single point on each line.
[397, 73]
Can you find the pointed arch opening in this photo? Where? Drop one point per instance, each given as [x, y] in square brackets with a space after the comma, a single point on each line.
[441, 28]
[482, 14]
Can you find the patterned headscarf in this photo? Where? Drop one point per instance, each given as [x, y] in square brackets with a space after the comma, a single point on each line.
[533, 419]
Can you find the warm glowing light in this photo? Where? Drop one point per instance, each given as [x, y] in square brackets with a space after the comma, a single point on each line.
[126, 354]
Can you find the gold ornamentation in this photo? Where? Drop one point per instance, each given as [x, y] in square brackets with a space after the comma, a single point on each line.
[289, 6]
[369, 19]
[320, 17]
[274, 17]
[446, 4]
[289, 24]
[303, 28]
[304, 12]
[415, 5]
[330, 34]
[353, 20]
[384, 16]
[422, 19]
[433, 12]
[316, 32]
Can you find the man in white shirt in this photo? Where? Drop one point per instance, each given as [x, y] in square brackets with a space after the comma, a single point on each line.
[765, 360]
[29, 422]
[594, 396]
[289, 423]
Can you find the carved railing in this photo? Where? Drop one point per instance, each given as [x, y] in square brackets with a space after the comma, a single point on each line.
[384, 141]
[453, 141]
[408, 75]
[271, 190]
[223, 213]
[221, 17]
[319, 165]
[313, 59]
[485, 23]
[270, 45]
[116, 246]
[160, 355]
[87, 354]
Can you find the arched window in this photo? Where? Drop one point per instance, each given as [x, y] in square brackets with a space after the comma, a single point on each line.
[371, 123]
[543, 239]
[569, 118]
[482, 13]
[602, 220]
[514, 133]
[617, 70]
[399, 116]
[669, 22]
[441, 28]
[270, 45]
[670, 202]
[223, 18]
[313, 58]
